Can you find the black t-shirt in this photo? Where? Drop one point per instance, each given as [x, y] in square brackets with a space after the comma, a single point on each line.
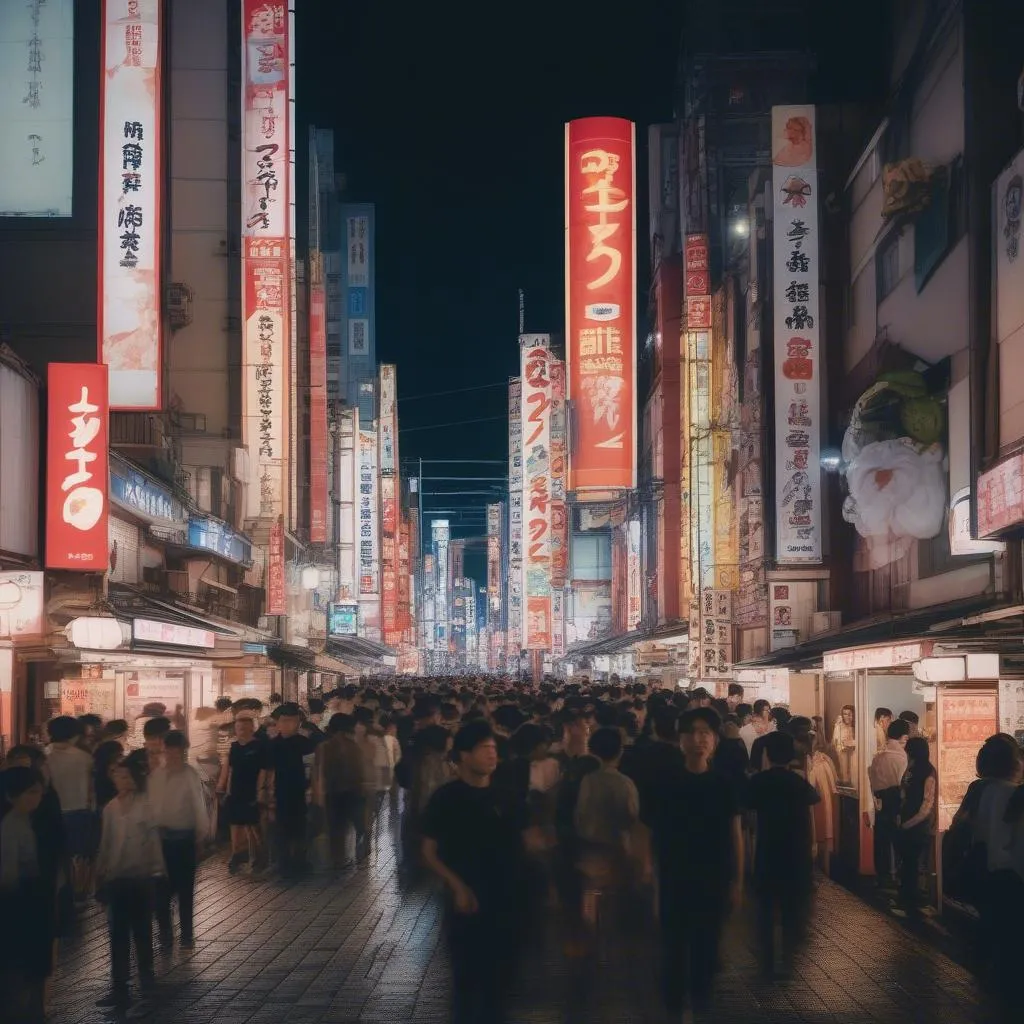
[478, 831]
[691, 817]
[782, 800]
[649, 765]
[285, 754]
[246, 761]
[574, 770]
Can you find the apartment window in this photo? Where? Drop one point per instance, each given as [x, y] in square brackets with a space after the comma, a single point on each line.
[591, 556]
[887, 265]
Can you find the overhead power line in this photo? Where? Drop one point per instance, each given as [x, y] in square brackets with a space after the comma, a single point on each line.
[454, 391]
[455, 423]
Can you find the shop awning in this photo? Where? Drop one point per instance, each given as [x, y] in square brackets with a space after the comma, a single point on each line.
[617, 644]
[127, 601]
[934, 622]
[360, 650]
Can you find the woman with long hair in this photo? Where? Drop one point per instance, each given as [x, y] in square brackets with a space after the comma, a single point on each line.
[918, 806]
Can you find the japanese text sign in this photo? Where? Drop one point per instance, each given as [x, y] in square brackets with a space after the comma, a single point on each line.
[600, 301]
[129, 202]
[797, 337]
[77, 467]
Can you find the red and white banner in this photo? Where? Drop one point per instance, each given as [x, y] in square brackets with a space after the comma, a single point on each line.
[515, 599]
[318, 446]
[131, 178]
[388, 420]
[600, 300]
[266, 274]
[276, 598]
[559, 507]
[535, 358]
[77, 467]
[389, 559]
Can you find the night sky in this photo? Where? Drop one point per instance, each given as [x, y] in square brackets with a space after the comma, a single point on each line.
[454, 128]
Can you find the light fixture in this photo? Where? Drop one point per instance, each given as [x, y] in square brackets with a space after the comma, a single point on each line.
[741, 227]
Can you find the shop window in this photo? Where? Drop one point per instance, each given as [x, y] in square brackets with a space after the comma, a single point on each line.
[933, 229]
[887, 265]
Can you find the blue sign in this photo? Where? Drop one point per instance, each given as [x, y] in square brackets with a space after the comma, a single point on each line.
[358, 301]
[248, 648]
[342, 620]
[213, 535]
[138, 493]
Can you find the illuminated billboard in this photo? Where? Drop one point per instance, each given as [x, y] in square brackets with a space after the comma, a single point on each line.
[600, 300]
[131, 181]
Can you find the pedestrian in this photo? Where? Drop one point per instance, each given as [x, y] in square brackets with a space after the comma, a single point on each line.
[918, 807]
[286, 760]
[129, 866]
[473, 840]
[243, 780]
[27, 896]
[339, 787]
[784, 854]
[71, 775]
[694, 819]
[885, 773]
[179, 809]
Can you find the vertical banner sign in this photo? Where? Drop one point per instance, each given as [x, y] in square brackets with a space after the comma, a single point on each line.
[515, 518]
[266, 274]
[797, 337]
[440, 535]
[318, 446]
[559, 472]
[129, 306]
[389, 559]
[369, 564]
[634, 577]
[557, 623]
[536, 419]
[600, 301]
[404, 589]
[388, 420]
[276, 598]
[716, 638]
[77, 467]
[494, 565]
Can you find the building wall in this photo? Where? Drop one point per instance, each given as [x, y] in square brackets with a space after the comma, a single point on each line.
[203, 231]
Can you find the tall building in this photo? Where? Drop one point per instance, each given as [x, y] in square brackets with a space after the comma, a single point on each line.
[357, 348]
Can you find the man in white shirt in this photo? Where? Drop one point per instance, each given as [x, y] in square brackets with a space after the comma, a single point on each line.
[71, 775]
[760, 723]
[885, 773]
[179, 808]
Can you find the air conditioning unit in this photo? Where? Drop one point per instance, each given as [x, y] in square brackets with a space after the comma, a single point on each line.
[825, 622]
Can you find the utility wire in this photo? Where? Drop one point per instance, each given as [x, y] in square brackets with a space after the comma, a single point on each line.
[454, 391]
[456, 423]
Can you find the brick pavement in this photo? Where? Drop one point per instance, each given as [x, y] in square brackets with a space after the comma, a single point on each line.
[365, 948]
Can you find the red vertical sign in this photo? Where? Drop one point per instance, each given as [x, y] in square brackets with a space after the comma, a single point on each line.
[318, 415]
[600, 301]
[275, 571]
[77, 467]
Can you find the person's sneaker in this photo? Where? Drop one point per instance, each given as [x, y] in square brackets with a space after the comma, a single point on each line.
[235, 862]
[116, 998]
[187, 944]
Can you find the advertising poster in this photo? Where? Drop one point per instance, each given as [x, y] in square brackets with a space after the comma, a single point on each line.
[369, 554]
[77, 468]
[131, 177]
[536, 420]
[515, 518]
[266, 276]
[795, 303]
[600, 300]
[966, 718]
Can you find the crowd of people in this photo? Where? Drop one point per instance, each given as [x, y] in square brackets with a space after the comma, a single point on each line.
[578, 802]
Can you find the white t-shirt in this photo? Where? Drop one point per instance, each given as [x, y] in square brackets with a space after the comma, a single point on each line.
[71, 775]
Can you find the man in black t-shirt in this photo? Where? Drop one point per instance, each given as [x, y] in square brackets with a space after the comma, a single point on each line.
[285, 760]
[243, 781]
[784, 861]
[693, 815]
[473, 841]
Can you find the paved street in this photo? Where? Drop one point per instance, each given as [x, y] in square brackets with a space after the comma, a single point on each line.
[362, 948]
